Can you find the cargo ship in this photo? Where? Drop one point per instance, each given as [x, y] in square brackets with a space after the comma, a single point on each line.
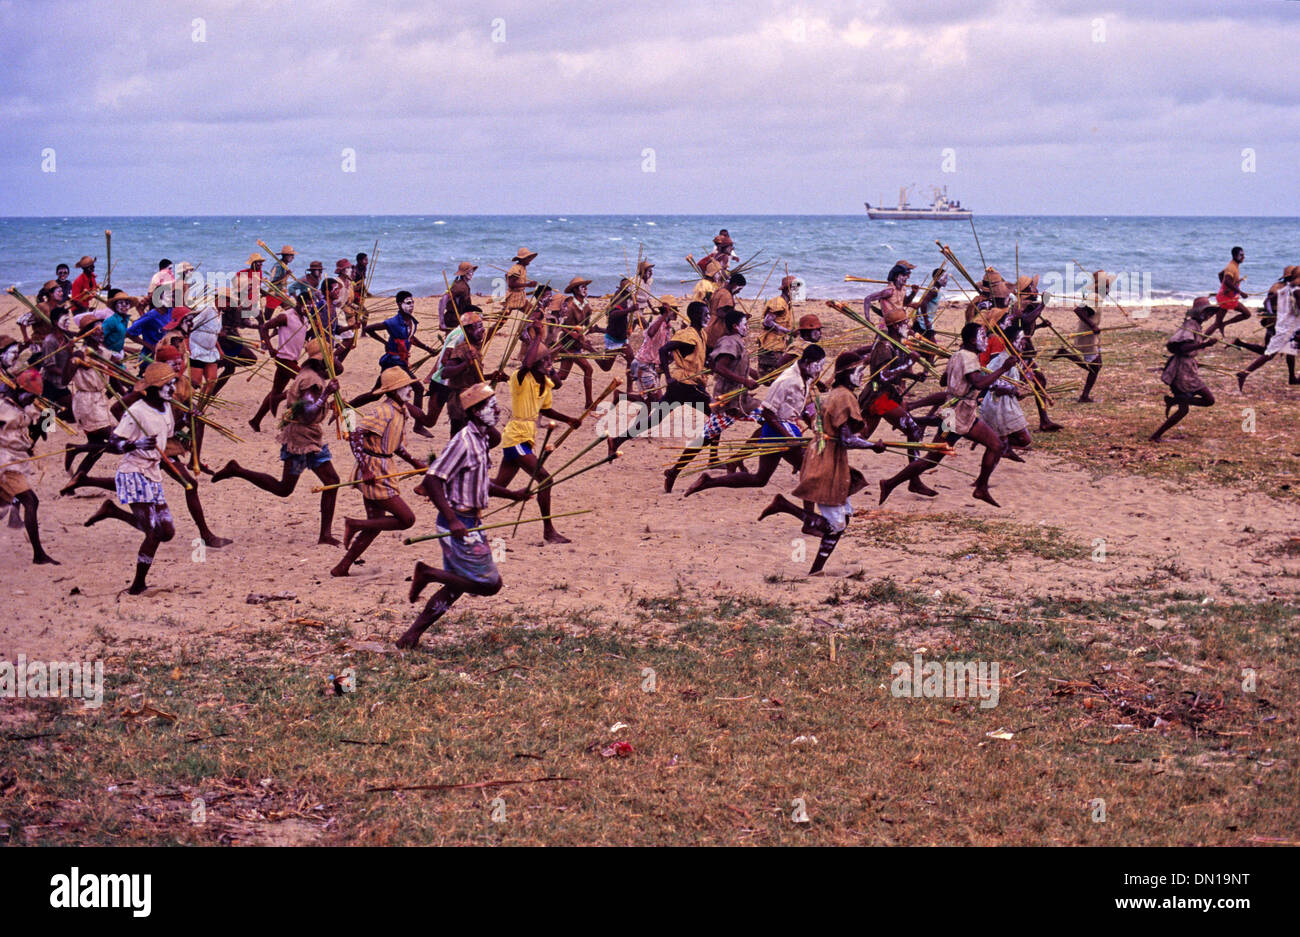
[941, 209]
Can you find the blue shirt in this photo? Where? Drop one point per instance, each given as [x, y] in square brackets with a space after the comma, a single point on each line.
[115, 328]
[149, 328]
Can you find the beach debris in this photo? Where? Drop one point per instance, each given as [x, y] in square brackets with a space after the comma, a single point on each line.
[617, 727]
[1003, 734]
[804, 740]
[261, 598]
[617, 750]
[147, 710]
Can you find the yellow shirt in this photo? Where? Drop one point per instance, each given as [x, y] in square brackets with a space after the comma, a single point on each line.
[527, 401]
[780, 311]
[687, 368]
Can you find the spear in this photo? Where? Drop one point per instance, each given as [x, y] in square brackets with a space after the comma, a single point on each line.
[36, 457]
[613, 386]
[532, 520]
[361, 481]
[580, 454]
[108, 247]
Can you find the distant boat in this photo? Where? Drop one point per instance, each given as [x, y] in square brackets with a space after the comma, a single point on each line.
[941, 209]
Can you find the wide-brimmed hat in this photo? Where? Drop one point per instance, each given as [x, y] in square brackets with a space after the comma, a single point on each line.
[49, 285]
[464, 268]
[724, 240]
[847, 361]
[644, 265]
[391, 379]
[1027, 284]
[991, 276]
[809, 321]
[315, 265]
[471, 397]
[575, 283]
[84, 262]
[525, 254]
[288, 249]
[788, 283]
[341, 264]
[157, 374]
[1290, 272]
[255, 259]
[669, 301]
[116, 296]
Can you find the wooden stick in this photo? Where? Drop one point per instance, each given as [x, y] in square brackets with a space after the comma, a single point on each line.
[537, 470]
[361, 481]
[532, 520]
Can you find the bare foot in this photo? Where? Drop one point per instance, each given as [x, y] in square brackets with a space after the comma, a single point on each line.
[72, 484]
[1009, 453]
[1241, 381]
[328, 540]
[215, 542]
[1085, 400]
[257, 427]
[983, 495]
[348, 532]
[419, 579]
[103, 513]
[44, 559]
[918, 487]
[670, 479]
[886, 489]
[339, 570]
[773, 507]
[136, 588]
[226, 471]
[698, 485]
[1048, 426]
[409, 639]
[556, 537]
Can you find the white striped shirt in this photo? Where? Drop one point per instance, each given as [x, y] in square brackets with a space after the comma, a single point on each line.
[464, 468]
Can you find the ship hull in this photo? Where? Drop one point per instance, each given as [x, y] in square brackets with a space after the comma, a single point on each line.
[894, 214]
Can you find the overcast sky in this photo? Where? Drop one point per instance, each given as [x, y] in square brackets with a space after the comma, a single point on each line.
[1048, 106]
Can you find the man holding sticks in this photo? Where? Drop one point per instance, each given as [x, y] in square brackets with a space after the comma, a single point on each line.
[458, 483]
[530, 397]
[965, 381]
[1086, 350]
[825, 477]
[302, 443]
[378, 437]
[1181, 372]
[1283, 335]
[290, 321]
[21, 424]
[779, 438]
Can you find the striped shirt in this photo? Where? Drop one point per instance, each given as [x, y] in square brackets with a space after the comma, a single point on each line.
[463, 468]
[382, 431]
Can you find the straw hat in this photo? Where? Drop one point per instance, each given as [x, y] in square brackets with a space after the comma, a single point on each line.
[991, 276]
[314, 349]
[84, 262]
[809, 321]
[847, 361]
[1027, 284]
[1290, 272]
[465, 268]
[157, 375]
[644, 266]
[342, 264]
[315, 265]
[471, 397]
[287, 249]
[787, 283]
[391, 379]
[524, 254]
[669, 302]
[49, 285]
[575, 283]
[254, 259]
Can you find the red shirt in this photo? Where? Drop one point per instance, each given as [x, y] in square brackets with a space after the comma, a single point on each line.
[82, 285]
[994, 346]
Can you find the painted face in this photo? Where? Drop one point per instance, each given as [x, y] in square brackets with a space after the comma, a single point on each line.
[742, 328]
[408, 306]
[474, 332]
[813, 335]
[490, 412]
[405, 394]
[168, 390]
[858, 374]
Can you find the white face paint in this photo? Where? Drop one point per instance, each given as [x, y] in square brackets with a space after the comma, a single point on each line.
[408, 305]
[405, 394]
[858, 373]
[490, 413]
[742, 328]
[168, 390]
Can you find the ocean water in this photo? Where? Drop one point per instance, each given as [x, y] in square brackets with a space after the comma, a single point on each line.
[1161, 258]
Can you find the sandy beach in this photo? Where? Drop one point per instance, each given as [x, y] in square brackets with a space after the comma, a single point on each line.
[638, 541]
